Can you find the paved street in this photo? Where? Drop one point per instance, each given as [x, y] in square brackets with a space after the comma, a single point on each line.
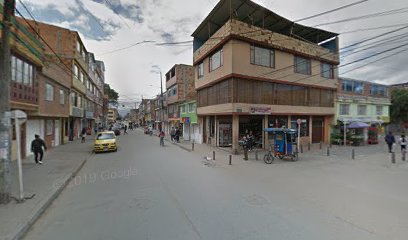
[147, 192]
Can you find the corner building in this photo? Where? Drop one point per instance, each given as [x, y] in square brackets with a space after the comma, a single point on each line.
[255, 69]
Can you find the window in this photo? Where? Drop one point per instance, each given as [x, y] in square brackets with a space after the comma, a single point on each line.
[352, 86]
[183, 108]
[304, 126]
[81, 77]
[74, 99]
[78, 46]
[49, 127]
[327, 70]
[174, 91]
[262, 56]
[361, 109]
[302, 65]
[216, 60]
[200, 70]
[191, 107]
[79, 103]
[358, 87]
[344, 109]
[378, 90]
[21, 71]
[379, 110]
[76, 72]
[49, 92]
[62, 97]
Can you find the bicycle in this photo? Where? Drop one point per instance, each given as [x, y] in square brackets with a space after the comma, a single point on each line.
[269, 158]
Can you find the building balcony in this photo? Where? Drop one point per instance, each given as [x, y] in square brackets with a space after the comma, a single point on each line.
[89, 115]
[78, 85]
[77, 112]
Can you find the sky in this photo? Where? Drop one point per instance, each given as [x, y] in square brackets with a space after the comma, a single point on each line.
[137, 25]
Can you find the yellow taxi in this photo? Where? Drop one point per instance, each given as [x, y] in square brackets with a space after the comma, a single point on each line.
[105, 142]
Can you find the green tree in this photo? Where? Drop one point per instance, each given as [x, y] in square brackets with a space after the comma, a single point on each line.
[399, 107]
[112, 94]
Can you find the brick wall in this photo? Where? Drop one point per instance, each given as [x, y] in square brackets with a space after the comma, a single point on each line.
[266, 37]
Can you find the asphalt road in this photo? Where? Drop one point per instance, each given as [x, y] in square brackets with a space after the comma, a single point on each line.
[145, 191]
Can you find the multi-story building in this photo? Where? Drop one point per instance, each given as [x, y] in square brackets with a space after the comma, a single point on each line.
[26, 62]
[94, 92]
[362, 101]
[160, 103]
[84, 79]
[112, 115]
[180, 87]
[256, 69]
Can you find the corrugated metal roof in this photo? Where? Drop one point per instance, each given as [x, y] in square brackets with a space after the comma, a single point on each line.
[254, 14]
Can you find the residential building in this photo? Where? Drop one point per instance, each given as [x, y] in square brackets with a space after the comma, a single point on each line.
[255, 69]
[180, 87]
[188, 116]
[26, 62]
[362, 101]
[161, 111]
[69, 47]
[112, 115]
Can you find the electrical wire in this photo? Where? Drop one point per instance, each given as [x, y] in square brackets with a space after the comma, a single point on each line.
[330, 11]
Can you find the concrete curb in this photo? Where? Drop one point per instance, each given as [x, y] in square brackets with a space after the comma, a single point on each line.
[22, 231]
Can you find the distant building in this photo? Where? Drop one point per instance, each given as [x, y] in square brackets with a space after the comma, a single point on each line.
[180, 88]
[112, 115]
[362, 101]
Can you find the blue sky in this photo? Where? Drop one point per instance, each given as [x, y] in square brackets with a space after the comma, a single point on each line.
[106, 25]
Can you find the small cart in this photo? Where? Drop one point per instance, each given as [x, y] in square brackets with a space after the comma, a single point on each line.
[285, 144]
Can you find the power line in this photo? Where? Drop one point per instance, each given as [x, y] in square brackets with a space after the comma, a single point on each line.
[378, 14]
[330, 11]
[28, 11]
[117, 14]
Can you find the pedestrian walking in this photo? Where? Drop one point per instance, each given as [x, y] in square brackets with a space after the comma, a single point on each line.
[161, 135]
[403, 143]
[172, 134]
[245, 145]
[125, 130]
[83, 135]
[390, 140]
[37, 146]
[177, 137]
[95, 129]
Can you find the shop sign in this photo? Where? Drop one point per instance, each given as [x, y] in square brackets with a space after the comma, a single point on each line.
[260, 110]
[185, 119]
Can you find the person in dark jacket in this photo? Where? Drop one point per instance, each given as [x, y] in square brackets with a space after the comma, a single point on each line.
[390, 140]
[177, 137]
[37, 148]
[83, 135]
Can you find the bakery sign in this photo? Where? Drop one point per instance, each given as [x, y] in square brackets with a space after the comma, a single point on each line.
[260, 110]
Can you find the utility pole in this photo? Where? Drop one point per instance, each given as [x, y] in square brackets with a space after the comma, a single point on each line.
[161, 102]
[5, 114]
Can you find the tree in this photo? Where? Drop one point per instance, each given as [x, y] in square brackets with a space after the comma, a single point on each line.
[112, 94]
[399, 105]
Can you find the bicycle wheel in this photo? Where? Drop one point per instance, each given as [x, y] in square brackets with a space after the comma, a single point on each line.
[268, 158]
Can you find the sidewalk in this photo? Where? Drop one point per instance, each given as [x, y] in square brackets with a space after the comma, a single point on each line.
[46, 181]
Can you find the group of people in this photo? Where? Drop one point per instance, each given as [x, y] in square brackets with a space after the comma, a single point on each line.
[390, 140]
[175, 134]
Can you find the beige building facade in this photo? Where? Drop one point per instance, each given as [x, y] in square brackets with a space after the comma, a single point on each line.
[262, 73]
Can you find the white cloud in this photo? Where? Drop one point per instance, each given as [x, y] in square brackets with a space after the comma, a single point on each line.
[129, 73]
